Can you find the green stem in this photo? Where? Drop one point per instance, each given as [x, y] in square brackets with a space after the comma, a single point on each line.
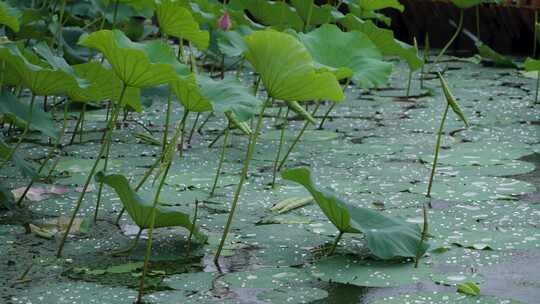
[321, 125]
[81, 127]
[182, 135]
[535, 39]
[437, 148]
[308, 19]
[537, 85]
[192, 228]
[478, 22]
[205, 121]
[458, 30]
[193, 128]
[247, 160]
[422, 237]
[115, 14]
[100, 188]
[281, 140]
[409, 83]
[167, 121]
[221, 158]
[23, 135]
[334, 245]
[192, 58]
[150, 235]
[297, 138]
[108, 136]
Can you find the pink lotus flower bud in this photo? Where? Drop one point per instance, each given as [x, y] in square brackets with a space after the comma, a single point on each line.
[224, 22]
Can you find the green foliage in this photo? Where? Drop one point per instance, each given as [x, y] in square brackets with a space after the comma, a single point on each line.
[277, 14]
[287, 69]
[19, 112]
[387, 237]
[104, 85]
[177, 21]
[51, 77]
[532, 64]
[18, 161]
[136, 64]
[140, 209]
[384, 40]
[347, 55]
[10, 16]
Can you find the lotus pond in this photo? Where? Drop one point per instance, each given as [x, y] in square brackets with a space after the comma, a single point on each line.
[261, 152]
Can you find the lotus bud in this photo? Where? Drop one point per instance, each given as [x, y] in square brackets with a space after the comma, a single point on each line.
[224, 22]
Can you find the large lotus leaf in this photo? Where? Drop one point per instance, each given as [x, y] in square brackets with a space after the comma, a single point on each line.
[51, 77]
[317, 15]
[352, 54]
[278, 14]
[136, 64]
[104, 85]
[384, 40]
[39, 120]
[532, 65]
[140, 210]
[9, 16]
[387, 237]
[203, 94]
[74, 53]
[18, 161]
[177, 21]
[287, 70]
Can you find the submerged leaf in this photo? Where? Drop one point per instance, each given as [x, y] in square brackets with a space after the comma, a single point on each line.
[387, 237]
[469, 288]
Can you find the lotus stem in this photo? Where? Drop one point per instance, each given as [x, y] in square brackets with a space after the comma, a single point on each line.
[49, 156]
[193, 60]
[81, 127]
[76, 129]
[535, 39]
[167, 121]
[205, 121]
[247, 160]
[409, 83]
[150, 234]
[45, 103]
[478, 21]
[183, 123]
[222, 67]
[537, 85]
[437, 148]
[115, 13]
[426, 59]
[100, 187]
[108, 137]
[281, 140]
[192, 228]
[458, 30]
[297, 138]
[193, 128]
[321, 125]
[308, 19]
[23, 135]
[423, 236]
[221, 158]
[334, 245]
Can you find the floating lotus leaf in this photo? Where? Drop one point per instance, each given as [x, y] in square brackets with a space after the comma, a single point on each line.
[10, 16]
